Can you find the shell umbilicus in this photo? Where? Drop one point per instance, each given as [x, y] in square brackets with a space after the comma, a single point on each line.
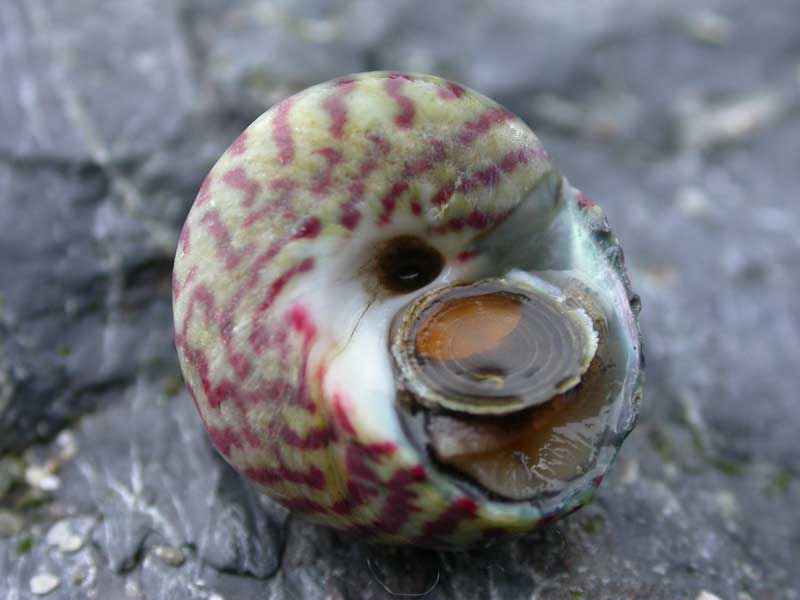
[396, 317]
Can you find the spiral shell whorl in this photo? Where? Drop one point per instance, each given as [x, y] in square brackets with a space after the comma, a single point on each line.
[285, 214]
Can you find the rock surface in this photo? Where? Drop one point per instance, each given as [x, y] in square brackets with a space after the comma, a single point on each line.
[681, 119]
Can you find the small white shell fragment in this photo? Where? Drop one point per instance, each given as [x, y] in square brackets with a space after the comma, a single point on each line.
[61, 536]
[710, 28]
[40, 477]
[133, 589]
[50, 483]
[44, 583]
[170, 555]
[67, 445]
[72, 544]
[704, 595]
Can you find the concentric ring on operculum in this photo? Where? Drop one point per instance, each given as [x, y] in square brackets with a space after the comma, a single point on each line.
[491, 347]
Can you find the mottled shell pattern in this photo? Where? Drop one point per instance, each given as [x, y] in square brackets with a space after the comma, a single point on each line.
[284, 330]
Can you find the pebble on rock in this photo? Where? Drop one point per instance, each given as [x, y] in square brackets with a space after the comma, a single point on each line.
[44, 583]
[40, 477]
[62, 537]
[170, 555]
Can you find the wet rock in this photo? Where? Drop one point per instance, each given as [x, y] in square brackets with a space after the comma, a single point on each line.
[156, 482]
[679, 118]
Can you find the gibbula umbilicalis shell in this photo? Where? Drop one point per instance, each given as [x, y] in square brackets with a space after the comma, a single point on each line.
[397, 318]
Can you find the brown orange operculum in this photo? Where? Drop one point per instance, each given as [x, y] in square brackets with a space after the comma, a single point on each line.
[493, 347]
[467, 326]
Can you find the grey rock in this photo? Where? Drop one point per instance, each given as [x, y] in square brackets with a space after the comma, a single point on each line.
[155, 481]
[70, 102]
[245, 532]
[680, 119]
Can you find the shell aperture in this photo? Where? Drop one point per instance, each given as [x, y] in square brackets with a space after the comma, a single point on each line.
[396, 317]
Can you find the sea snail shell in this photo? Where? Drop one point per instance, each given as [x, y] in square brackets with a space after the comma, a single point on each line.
[396, 317]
